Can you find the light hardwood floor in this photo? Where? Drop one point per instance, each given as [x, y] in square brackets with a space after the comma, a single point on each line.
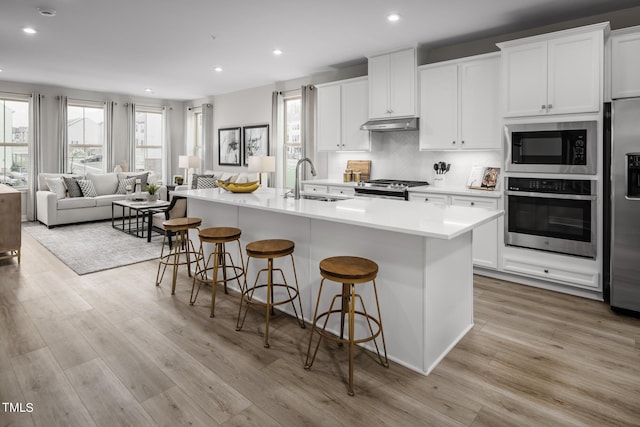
[111, 349]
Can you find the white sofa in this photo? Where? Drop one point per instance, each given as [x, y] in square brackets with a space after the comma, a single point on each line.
[57, 208]
[224, 176]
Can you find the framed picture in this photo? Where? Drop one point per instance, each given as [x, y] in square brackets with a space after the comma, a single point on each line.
[229, 146]
[256, 141]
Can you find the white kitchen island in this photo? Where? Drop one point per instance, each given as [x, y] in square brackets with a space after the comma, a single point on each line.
[425, 279]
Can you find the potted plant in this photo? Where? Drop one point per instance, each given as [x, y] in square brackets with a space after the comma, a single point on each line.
[152, 189]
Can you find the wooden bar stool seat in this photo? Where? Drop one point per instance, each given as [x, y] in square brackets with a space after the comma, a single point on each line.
[349, 271]
[269, 249]
[182, 250]
[220, 260]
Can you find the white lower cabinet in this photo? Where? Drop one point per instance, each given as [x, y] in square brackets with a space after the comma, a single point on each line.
[342, 191]
[485, 237]
[573, 273]
[315, 188]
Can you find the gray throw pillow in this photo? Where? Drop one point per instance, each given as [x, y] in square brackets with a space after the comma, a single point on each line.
[122, 185]
[73, 189]
[206, 182]
[87, 187]
[195, 177]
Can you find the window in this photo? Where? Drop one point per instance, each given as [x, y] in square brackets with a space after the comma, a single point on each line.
[292, 140]
[85, 137]
[14, 142]
[149, 140]
[195, 142]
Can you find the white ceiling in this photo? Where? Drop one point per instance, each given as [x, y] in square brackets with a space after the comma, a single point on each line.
[172, 46]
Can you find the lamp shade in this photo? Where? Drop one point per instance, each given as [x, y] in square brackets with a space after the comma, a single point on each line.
[255, 164]
[183, 161]
[188, 161]
[268, 164]
[194, 162]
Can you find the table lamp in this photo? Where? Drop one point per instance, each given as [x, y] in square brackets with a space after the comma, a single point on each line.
[188, 162]
[262, 164]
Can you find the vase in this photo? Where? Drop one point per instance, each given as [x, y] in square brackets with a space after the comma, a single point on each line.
[152, 198]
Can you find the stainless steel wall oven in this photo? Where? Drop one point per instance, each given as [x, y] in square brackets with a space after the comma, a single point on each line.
[554, 215]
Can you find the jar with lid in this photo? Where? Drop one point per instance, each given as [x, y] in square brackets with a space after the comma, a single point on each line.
[348, 175]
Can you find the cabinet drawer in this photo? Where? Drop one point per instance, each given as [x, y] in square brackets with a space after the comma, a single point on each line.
[344, 191]
[436, 199]
[314, 188]
[579, 278]
[476, 202]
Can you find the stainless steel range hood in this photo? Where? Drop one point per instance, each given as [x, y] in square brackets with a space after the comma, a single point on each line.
[387, 125]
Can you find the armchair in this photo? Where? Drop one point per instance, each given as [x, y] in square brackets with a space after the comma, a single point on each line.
[176, 209]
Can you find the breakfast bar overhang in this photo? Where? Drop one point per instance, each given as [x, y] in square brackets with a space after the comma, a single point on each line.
[425, 278]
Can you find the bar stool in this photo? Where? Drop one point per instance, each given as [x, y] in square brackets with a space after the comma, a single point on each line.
[270, 249]
[180, 251]
[219, 257]
[349, 271]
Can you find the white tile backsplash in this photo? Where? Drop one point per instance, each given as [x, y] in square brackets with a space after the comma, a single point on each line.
[396, 155]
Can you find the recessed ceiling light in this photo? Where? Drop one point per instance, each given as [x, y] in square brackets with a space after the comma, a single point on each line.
[277, 52]
[29, 30]
[148, 90]
[393, 17]
[47, 11]
[218, 69]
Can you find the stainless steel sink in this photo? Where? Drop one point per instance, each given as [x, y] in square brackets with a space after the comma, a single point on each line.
[320, 198]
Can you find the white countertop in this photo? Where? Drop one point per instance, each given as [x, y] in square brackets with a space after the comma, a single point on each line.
[441, 222]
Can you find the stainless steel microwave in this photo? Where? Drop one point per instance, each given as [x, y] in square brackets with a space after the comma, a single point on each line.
[559, 147]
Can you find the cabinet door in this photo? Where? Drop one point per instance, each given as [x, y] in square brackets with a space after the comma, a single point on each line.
[439, 108]
[574, 64]
[328, 118]
[524, 72]
[480, 104]
[402, 83]
[485, 237]
[433, 199]
[355, 111]
[379, 87]
[625, 66]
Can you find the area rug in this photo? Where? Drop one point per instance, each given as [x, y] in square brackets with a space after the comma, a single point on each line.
[95, 246]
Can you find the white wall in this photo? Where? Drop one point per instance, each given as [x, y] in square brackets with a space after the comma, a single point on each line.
[395, 155]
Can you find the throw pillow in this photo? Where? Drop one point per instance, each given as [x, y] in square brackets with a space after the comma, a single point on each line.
[73, 189]
[104, 183]
[88, 190]
[206, 182]
[194, 180]
[124, 182]
[57, 186]
[141, 176]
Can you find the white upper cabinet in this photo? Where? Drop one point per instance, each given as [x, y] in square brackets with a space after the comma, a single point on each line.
[342, 107]
[460, 104]
[625, 63]
[558, 73]
[392, 85]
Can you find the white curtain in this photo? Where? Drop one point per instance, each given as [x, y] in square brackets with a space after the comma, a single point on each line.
[62, 134]
[277, 136]
[109, 156]
[166, 145]
[207, 162]
[307, 125]
[131, 135]
[35, 152]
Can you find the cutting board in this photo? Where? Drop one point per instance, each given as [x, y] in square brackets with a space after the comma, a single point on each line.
[362, 166]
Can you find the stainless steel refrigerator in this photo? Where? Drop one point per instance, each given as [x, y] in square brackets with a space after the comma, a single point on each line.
[624, 208]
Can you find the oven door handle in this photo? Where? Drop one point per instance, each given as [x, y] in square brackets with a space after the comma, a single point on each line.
[379, 196]
[551, 195]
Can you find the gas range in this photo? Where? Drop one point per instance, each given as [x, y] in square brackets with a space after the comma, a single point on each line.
[387, 188]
